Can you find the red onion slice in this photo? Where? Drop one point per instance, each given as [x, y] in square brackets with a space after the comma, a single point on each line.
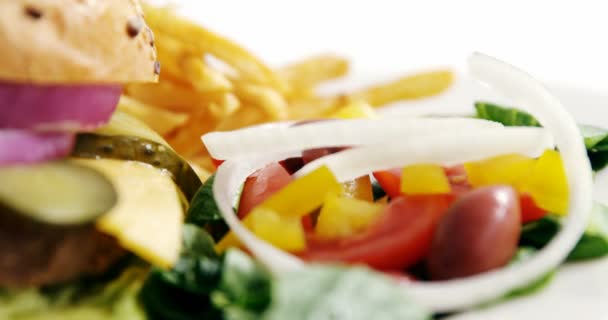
[56, 107]
[22, 146]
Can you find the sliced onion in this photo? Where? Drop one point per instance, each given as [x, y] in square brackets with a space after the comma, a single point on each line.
[440, 148]
[284, 138]
[22, 146]
[56, 107]
[459, 293]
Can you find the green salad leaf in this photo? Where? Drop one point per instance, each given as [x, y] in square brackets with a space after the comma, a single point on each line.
[205, 285]
[233, 286]
[593, 244]
[506, 116]
[596, 142]
[204, 212]
[377, 190]
[183, 291]
[538, 233]
[112, 296]
[245, 288]
[524, 253]
[330, 292]
[198, 269]
[596, 139]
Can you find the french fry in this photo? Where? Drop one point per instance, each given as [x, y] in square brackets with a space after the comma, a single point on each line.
[165, 21]
[161, 120]
[314, 70]
[227, 106]
[183, 64]
[202, 77]
[187, 140]
[410, 87]
[172, 96]
[209, 83]
[317, 107]
[247, 115]
[268, 99]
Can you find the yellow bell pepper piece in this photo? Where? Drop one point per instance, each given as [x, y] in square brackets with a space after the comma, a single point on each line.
[360, 188]
[303, 195]
[511, 169]
[547, 184]
[424, 179]
[342, 217]
[228, 241]
[356, 110]
[284, 233]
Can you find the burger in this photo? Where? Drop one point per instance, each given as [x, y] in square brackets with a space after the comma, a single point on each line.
[89, 197]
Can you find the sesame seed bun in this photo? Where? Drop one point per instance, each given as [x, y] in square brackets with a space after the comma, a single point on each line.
[75, 42]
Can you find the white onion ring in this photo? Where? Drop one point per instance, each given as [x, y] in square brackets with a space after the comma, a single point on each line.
[284, 138]
[441, 148]
[466, 292]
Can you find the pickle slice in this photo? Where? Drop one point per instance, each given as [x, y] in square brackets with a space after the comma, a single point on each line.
[96, 146]
[123, 124]
[60, 193]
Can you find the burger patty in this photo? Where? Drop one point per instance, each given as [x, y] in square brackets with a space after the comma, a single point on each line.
[37, 254]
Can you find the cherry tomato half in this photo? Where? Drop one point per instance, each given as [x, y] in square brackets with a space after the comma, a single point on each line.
[390, 180]
[261, 185]
[399, 239]
[216, 162]
[529, 210]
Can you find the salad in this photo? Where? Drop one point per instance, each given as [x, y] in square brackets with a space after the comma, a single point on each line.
[352, 225]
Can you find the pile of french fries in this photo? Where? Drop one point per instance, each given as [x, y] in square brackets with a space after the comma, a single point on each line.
[209, 83]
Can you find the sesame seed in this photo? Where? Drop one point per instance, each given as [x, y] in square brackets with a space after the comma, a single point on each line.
[150, 36]
[33, 13]
[134, 27]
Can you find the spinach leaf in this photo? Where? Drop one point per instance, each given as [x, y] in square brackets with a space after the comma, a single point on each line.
[377, 190]
[596, 139]
[245, 288]
[198, 269]
[326, 292]
[204, 285]
[538, 233]
[596, 142]
[165, 301]
[593, 244]
[524, 253]
[111, 296]
[183, 291]
[506, 116]
[204, 212]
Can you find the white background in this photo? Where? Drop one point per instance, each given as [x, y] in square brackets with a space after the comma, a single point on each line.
[562, 42]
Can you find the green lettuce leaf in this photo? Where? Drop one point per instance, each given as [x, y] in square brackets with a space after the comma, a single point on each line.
[596, 139]
[524, 253]
[326, 292]
[593, 244]
[596, 142]
[506, 116]
[204, 212]
[112, 297]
